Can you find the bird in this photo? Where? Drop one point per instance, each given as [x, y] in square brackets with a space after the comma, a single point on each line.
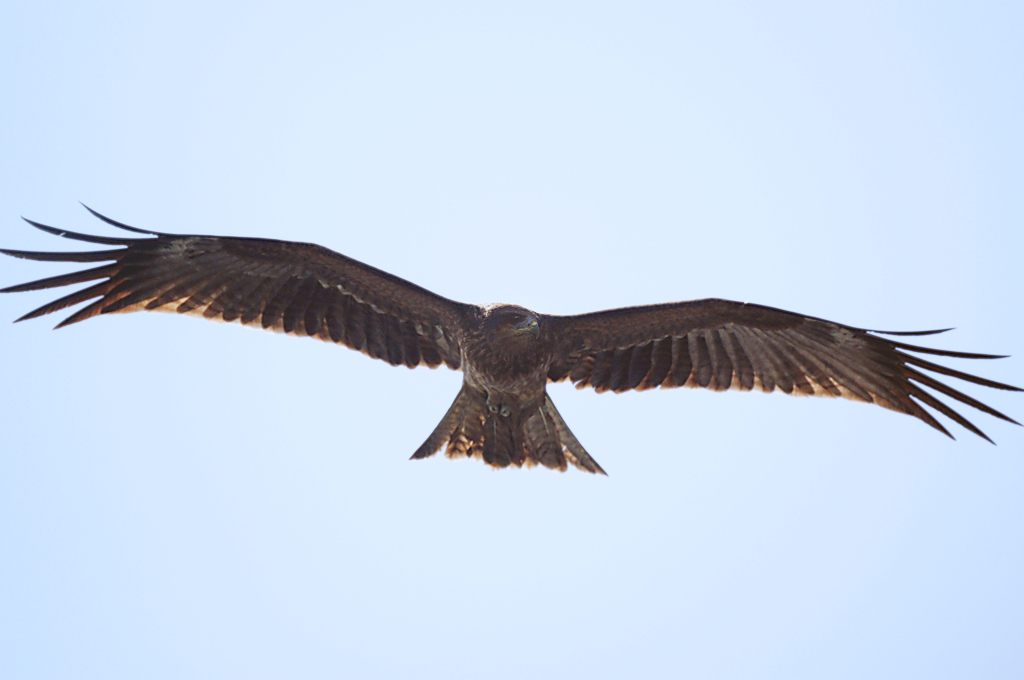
[508, 354]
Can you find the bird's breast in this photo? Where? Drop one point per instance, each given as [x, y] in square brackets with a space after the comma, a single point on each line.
[511, 370]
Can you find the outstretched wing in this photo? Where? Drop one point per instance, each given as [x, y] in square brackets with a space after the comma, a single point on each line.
[298, 288]
[720, 345]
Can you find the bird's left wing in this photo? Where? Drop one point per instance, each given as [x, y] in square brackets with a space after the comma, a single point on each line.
[720, 345]
[297, 288]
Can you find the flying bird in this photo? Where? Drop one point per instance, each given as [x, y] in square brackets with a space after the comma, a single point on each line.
[508, 354]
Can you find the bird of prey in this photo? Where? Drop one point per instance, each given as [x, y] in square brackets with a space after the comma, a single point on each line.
[508, 354]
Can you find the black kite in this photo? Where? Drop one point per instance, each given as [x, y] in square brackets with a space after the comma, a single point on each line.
[507, 354]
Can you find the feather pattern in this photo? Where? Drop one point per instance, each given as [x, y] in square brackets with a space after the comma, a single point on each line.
[719, 345]
[503, 414]
[535, 435]
[295, 288]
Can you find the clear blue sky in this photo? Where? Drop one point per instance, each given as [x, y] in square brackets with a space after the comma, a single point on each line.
[187, 499]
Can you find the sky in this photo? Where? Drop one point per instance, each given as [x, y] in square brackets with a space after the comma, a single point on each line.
[188, 499]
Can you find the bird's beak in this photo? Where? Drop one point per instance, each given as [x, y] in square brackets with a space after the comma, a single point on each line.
[531, 327]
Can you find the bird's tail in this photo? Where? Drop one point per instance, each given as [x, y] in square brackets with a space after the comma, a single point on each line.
[533, 435]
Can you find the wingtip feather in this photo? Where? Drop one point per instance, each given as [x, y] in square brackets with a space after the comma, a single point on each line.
[119, 225]
[75, 236]
[932, 332]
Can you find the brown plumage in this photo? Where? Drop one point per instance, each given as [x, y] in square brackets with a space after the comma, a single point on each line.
[508, 354]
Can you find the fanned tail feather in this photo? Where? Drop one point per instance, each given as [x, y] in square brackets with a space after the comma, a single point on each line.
[535, 435]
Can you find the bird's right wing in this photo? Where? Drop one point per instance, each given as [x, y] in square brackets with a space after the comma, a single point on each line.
[296, 288]
[720, 345]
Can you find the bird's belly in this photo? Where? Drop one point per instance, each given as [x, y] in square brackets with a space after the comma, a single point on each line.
[517, 384]
[515, 388]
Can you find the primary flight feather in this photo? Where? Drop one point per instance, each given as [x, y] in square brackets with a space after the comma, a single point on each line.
[507, 354]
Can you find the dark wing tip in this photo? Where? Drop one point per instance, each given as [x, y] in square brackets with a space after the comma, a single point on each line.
[88, 238]
[79, 256]
[947, 352]
[120, 225]
[39, 225]
[22, 254]
[919, 379]
[934, 332]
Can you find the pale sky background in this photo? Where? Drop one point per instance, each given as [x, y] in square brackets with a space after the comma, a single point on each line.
[187, 499]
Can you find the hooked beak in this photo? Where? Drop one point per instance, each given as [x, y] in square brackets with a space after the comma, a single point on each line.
[530, 327]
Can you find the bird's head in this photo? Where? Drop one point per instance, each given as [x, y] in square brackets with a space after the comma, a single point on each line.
[513, 321]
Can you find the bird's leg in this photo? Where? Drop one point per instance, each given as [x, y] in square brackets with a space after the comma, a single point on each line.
[501, 409]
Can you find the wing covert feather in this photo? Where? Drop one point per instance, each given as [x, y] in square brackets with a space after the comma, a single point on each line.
[720, 345]
[296, 288]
